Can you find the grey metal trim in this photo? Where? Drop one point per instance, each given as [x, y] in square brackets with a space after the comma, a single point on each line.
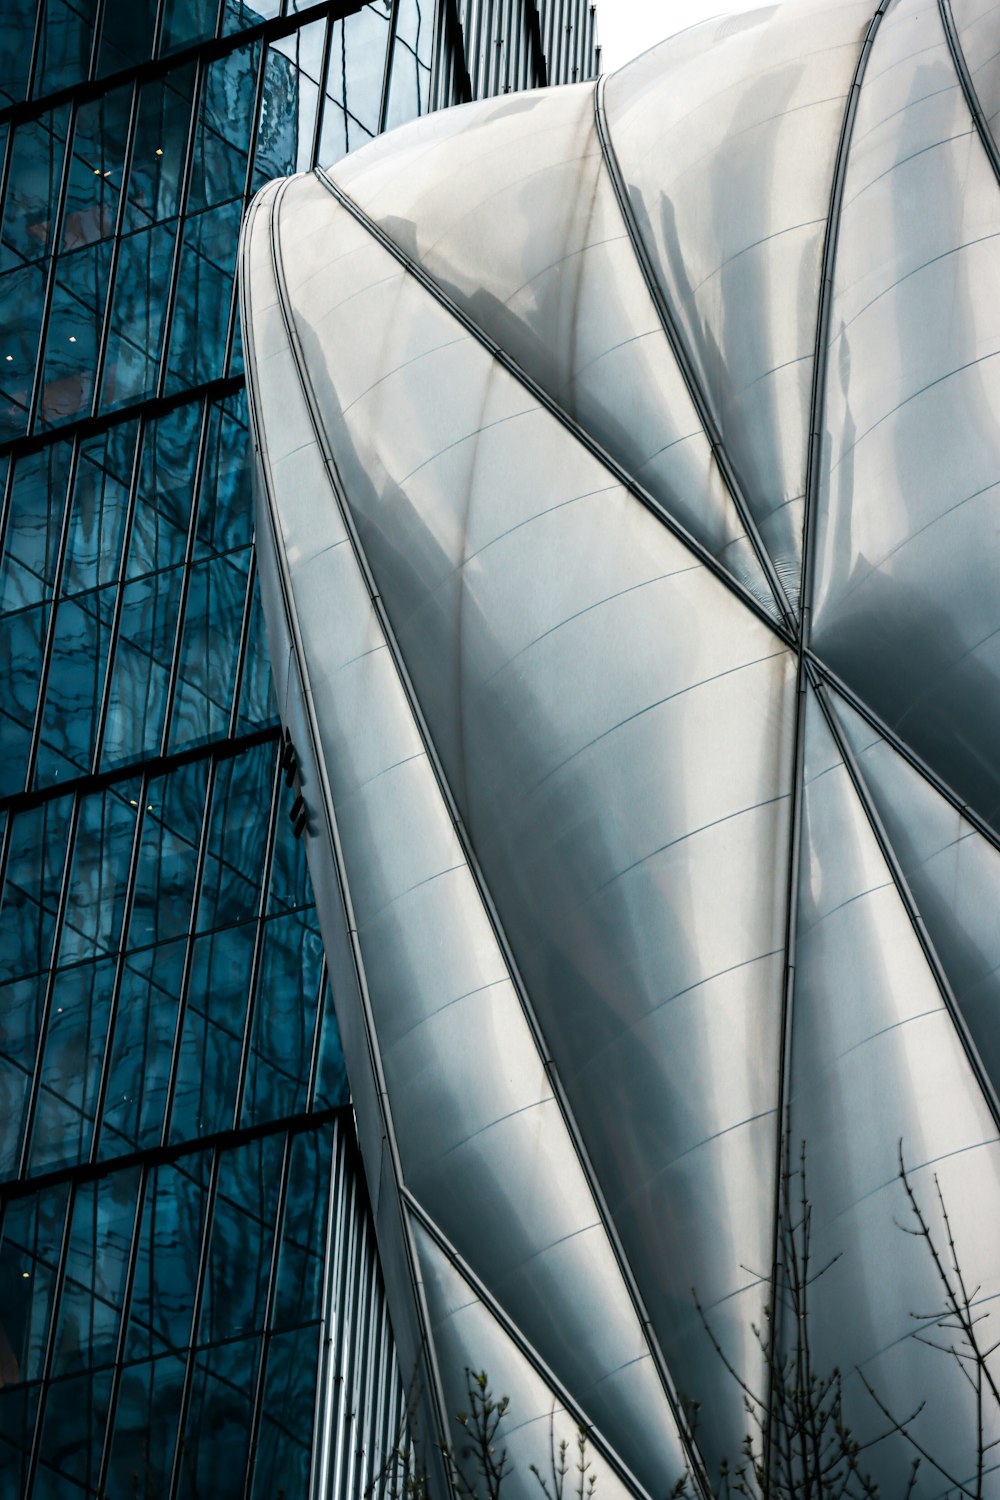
[979, 119]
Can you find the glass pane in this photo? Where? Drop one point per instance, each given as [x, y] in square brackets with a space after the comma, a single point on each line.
[331, 1074]
[186, 22]
[138, 316]
[97, 883]
[97, 169]
[168, 856]
[222, 137]
[22, 293]
[167, 1264]
[258, 707]
[217, 1438]
[22, 646]
[212, 1040]
[37, 501]
[354, 79]
[143, 654]
[292, 72]
[75, 685]
[298, 1293]
[94, 1282]
[197, 348]
[234, 865]
[126, 35]
[213, 622]
[163, 498]
[76, 1411]
[22, 1005]
[142, 1049]
[225, 506]
[29, 210]
[32, 1233]
[142, 1447]
[242, 1235]
[70, 1075]
[97, 514]
[281, 1463]
[16, 37]
[74, 333]
[64, 44]
[31, 889]
[161, 134]
[284, 1018]
[410, 80]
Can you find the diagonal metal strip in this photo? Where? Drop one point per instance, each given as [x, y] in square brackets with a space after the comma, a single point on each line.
[572, 1129]
[813, 464]
[968, 87]
[686, 366]
[326, 809]
[517, 1337]
[785, 629]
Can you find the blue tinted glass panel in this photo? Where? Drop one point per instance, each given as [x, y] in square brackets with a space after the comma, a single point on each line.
[75, 1414]
[166, 1272]
[31, 888]
[186, 22]
[225, 505]
[64, 45]
[97, 883]
[145, 1431]
[222, 134]
[161, 134]
[30, 206]
[32, 1235]
[22, 1005]
[70, 1076]
[16, 37]
[22, 647]
[292, 73]
[94, 1283]
[163, 496]
[126, 35]
[77, 662]
[138, 316]
[98, 510]
[234, 863]
[137, 701]
[217, 1438]
[197, 351]
[74, 333]
[212, 1039]
[287, 1412]
[284, 1019]
[31, 543]
[142, 1048]
[331, 1073]
[258, 707]
[22, 291]
[299, 1286]
[168, 856]
[96, 170]
[242, 1236]
[213, 624]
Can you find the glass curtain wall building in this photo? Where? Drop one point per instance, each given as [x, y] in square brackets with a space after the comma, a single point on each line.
[183, 1224]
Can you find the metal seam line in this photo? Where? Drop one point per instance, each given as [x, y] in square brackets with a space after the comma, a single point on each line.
[686, 366]
[912, 909]
[523, 1345]
[968, 87]
[482, 886]
[617, 470]
[434, 1394]
[813, 458]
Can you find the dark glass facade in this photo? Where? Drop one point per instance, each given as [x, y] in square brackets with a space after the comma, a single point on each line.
[184, 1230]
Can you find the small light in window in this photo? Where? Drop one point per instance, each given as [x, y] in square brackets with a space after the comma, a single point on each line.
[26, 1275]
[72, 338]
[59, 1010]
[133, 802]
[10, 358]
[159, 150]
[149, 807]
[97, 171]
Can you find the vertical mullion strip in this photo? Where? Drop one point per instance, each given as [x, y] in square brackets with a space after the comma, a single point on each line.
[258, 105]
[324, 1000]
[199, 1292]
[241, 655]
[390, 47]
[50, 279]
[95, 44]
[200, 69]
[116, 1378]
[133, 501]
[36, 43]
[272, 1281]
[175, 656]
[175, 1057]
[324, 69]
[161, 7]
[50, 628]
[102, 1090]
[50, 1340]
[5, 168]
[331, 1321]
[102, 346]
[258, 944]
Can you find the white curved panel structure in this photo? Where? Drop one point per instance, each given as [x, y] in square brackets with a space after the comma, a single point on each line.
[629, 483]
